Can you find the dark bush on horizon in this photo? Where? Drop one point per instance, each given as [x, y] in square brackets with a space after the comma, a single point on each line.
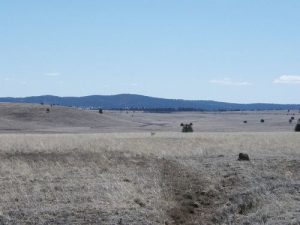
[297, 127]
[262, 120]
[187, 127]
[100, 111]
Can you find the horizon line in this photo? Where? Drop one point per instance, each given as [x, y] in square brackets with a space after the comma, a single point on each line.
[165, 98]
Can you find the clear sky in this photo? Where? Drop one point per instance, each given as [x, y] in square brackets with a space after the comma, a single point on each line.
[224, 50]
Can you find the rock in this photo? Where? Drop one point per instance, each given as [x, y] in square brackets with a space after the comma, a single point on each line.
[243, 157]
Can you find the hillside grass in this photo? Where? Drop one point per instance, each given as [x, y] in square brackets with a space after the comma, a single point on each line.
[33, 118]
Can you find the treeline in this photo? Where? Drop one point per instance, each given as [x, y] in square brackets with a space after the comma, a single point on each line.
[169, 110]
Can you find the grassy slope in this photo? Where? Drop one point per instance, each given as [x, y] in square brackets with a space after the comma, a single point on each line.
[29, 118]
[136, 178]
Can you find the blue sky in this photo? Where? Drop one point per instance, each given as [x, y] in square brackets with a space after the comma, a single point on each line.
[235, 51]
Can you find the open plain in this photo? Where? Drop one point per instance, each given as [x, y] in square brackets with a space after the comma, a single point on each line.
[32, 118]
[72, 166]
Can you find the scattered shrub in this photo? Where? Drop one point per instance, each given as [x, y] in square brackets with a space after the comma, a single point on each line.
[262, 120]
[100, 111]
[245, 121]
[187, 127]
[297, 127]
[290, 121]
[47, 110]
[243, 157]
[292, 118]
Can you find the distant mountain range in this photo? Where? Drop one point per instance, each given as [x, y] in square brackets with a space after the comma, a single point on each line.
[140, 102]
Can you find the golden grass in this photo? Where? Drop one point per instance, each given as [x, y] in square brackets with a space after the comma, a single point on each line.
[161, 144]
[139, 178]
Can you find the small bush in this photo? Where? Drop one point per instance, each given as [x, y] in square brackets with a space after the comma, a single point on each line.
[262, 120]
[47, 110]
[297, 127]
[243, 157]
[245, 121]
[292, 118]
[290, 121]
[187, 127]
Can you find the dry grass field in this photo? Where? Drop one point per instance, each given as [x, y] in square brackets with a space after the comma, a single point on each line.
[112, 170]
[30, 118]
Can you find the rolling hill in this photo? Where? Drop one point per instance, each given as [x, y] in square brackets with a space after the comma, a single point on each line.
[123, 101]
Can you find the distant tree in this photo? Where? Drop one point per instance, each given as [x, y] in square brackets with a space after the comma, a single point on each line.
[100, 111]
[187, 127]
[297, 127]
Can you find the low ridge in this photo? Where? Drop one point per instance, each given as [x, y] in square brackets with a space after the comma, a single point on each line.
[122, 101]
